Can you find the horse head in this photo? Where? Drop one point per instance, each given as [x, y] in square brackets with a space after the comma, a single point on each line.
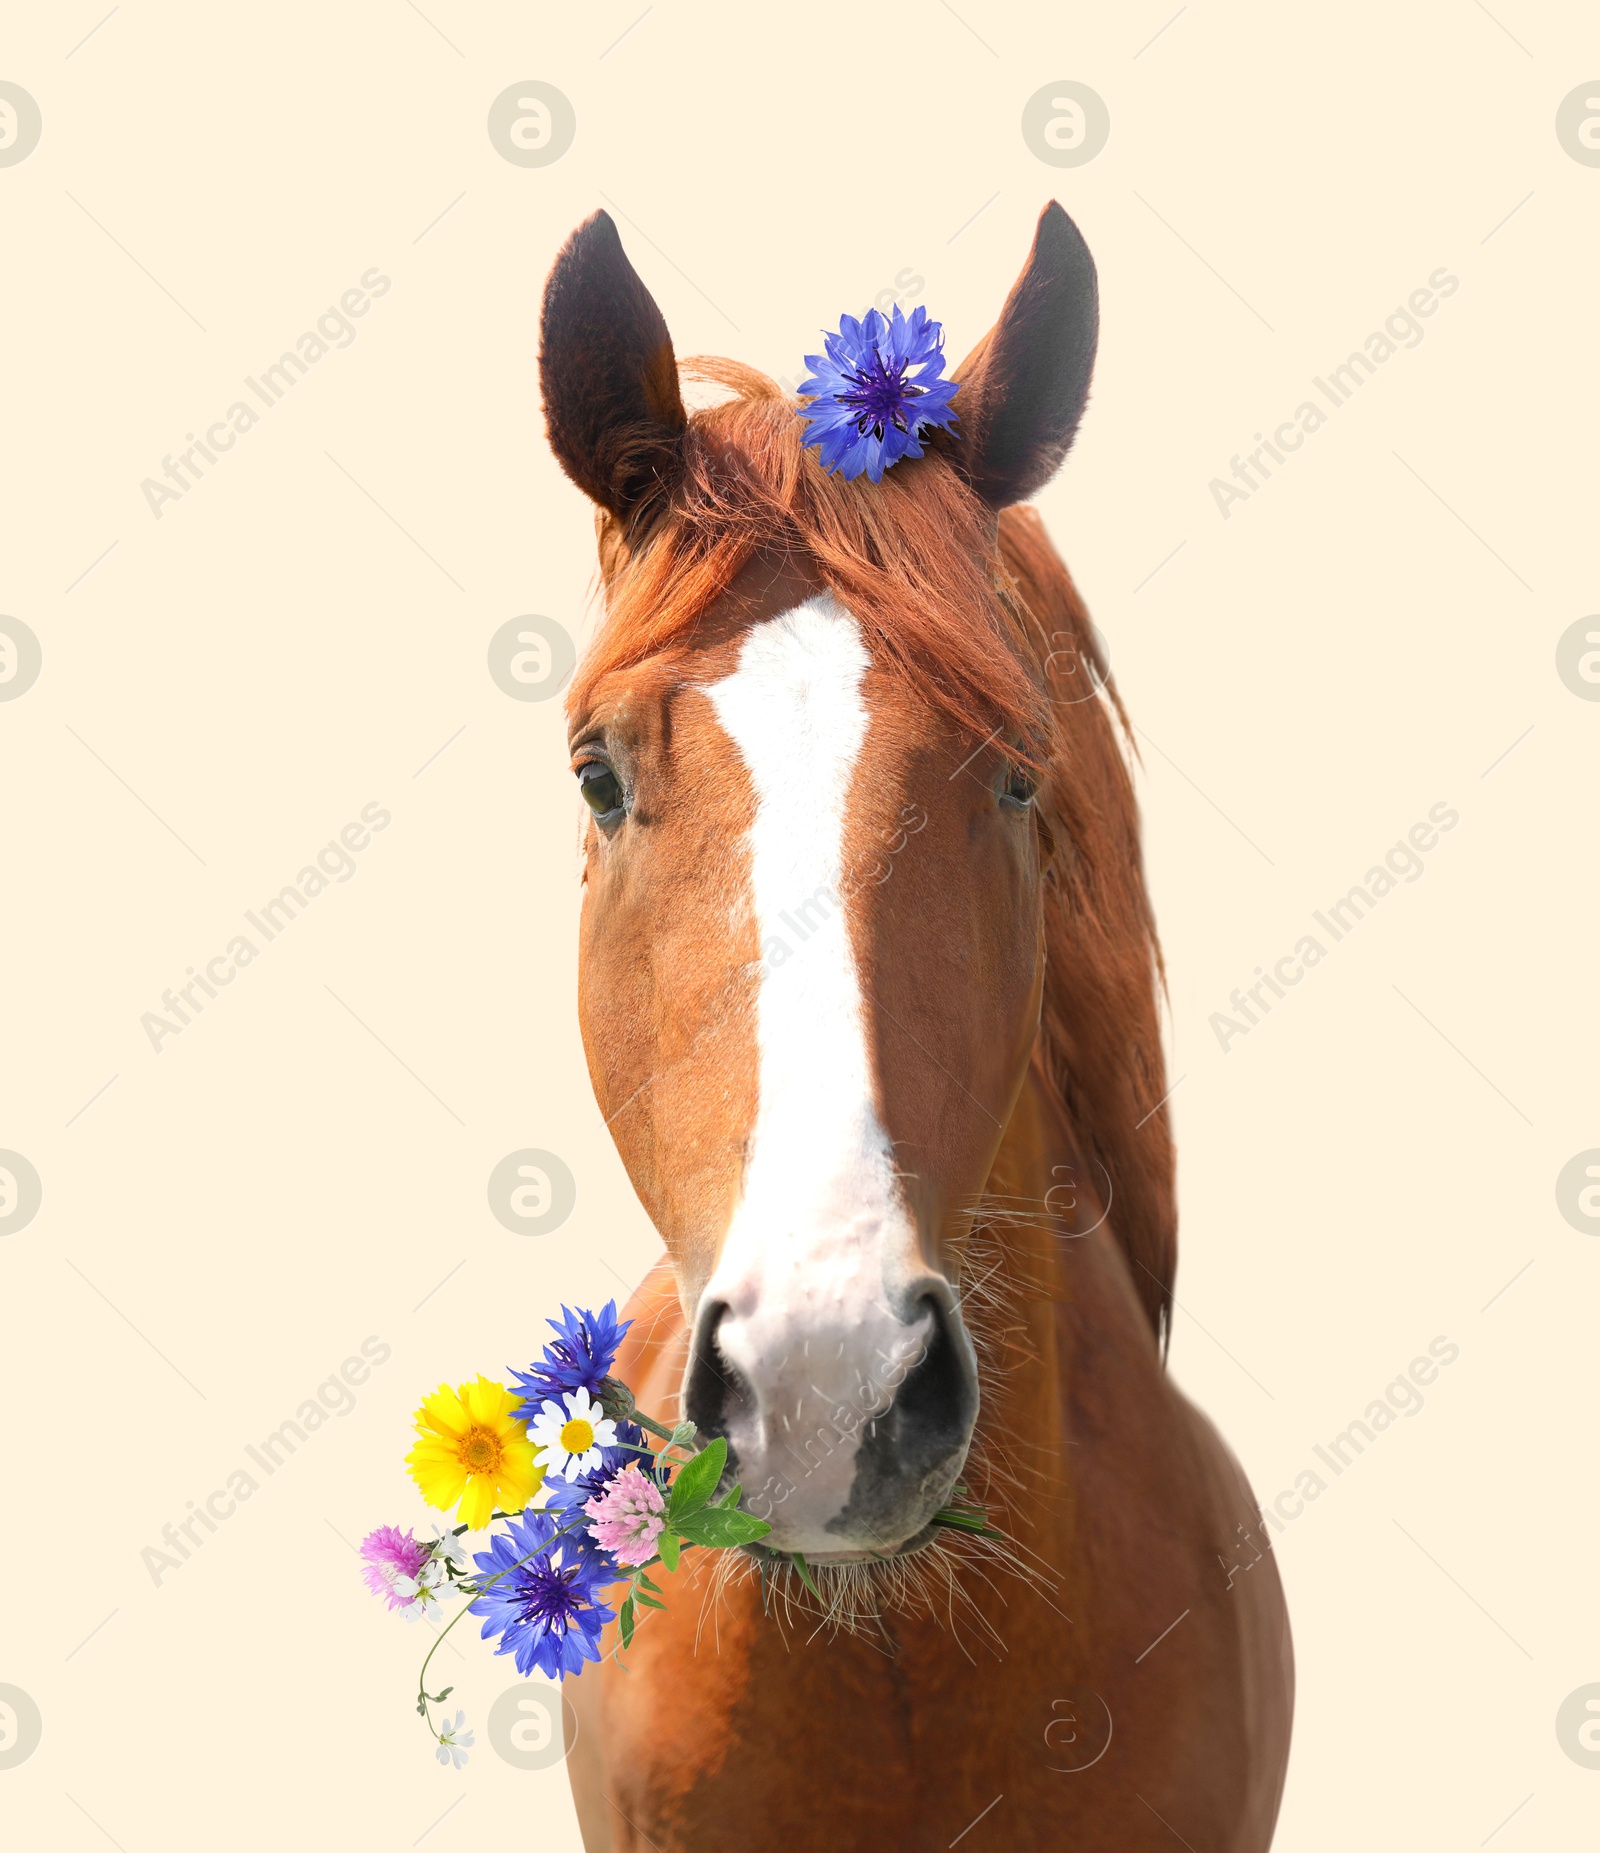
[820, 742]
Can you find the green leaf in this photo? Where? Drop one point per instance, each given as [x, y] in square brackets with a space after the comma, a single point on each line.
[730, 1499]
[805, 1574]
[667, 1545]
[967, 1518]
[625, 1622]
[645, 1583]
[721, 1529]
[697, 1480]
[648, 1602]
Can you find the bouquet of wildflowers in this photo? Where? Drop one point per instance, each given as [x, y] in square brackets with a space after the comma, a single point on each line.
[578, 1507]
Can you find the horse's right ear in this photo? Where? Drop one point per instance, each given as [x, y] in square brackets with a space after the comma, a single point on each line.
[612, 409]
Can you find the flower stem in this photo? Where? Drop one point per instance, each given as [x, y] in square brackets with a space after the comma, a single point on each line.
[466, 1609]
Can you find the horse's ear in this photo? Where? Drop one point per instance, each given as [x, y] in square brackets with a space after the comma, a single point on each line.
[1024, 385]
[612, 409]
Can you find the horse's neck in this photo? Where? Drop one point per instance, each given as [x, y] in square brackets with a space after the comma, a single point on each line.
[1061, 1333]
[1040, 1198]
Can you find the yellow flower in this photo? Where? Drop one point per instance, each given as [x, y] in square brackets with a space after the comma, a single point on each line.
[472, 1448]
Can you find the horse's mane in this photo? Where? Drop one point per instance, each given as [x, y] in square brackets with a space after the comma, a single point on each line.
[996, 638]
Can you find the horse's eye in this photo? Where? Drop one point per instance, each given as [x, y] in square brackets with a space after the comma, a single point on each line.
[1019, 787]
[601, 788]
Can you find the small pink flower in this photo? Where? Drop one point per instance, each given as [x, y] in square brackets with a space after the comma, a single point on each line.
[628, 1516]
[390, 1554]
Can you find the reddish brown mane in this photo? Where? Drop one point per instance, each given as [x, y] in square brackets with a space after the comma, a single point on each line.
[1101, 1046]
[993, 637]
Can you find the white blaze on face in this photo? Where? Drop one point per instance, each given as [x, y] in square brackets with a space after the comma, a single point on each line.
[820, 1238]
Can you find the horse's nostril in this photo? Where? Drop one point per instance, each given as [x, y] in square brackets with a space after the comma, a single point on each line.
[714, 1389]
[912, 1453]
[938, 1402]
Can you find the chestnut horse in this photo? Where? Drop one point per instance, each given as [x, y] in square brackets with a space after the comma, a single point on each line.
[869, 999]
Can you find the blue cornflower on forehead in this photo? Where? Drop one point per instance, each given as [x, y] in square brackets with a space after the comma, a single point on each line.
[547, 1612]
[579, 1358]
[876, 390]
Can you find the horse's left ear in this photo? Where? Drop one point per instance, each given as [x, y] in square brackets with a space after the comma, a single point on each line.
[612, 408]
[1024, 385]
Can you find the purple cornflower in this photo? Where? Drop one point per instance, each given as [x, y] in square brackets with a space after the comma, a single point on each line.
[876, 391]
[547, 1611]
[580, 1358]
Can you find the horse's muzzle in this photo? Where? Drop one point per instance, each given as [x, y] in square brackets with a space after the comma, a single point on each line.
[847, 1428]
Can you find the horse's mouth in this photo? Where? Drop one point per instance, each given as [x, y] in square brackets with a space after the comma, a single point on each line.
[776, 1560]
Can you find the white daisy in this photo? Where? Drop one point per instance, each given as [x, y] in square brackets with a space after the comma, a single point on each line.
[569, 1432]
[424, 1593]
[454, 1742]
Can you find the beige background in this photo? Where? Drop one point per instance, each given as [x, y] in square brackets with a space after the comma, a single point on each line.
[306, 632]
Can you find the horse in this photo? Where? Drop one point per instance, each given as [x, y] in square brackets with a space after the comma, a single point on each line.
[869, 995]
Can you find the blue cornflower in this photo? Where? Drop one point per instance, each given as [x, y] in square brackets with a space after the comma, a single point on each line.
[547, 1611]
[579, 1359]
[876, 391]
